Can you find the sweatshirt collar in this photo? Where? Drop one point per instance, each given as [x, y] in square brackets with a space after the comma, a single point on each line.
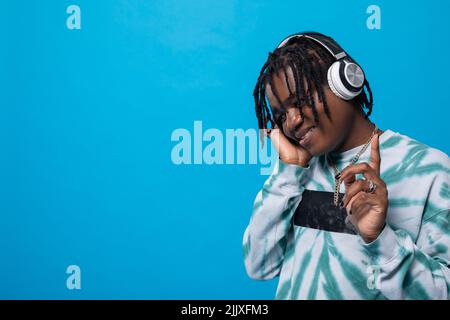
[348, 155]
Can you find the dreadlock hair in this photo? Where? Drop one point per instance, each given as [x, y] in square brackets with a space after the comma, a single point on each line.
[309, 62]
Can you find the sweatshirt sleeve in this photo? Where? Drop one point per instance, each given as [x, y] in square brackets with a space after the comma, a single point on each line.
[265, 237]
[408, 268]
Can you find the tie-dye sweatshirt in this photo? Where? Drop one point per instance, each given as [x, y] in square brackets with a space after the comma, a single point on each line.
[295, 231]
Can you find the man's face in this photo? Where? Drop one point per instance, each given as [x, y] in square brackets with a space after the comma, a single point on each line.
[326, 135]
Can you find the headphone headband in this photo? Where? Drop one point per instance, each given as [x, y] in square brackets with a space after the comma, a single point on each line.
[328, 43]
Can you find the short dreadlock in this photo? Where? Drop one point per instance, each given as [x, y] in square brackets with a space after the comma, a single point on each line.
[309, 62]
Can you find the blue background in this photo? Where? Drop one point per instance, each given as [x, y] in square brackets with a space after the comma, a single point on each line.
[87, 115]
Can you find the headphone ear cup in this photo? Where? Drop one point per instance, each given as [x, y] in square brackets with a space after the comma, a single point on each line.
[331, 82]
[336, 83]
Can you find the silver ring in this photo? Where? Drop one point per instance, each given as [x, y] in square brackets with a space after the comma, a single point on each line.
[372, 187]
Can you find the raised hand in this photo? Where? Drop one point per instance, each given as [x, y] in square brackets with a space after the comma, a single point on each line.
[367, 210]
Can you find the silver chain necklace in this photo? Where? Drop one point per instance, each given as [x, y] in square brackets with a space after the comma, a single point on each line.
[352, 162]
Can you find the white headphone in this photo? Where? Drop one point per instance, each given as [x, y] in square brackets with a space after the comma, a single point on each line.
[345, 77]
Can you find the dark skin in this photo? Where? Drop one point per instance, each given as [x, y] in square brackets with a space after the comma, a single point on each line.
[347, 129]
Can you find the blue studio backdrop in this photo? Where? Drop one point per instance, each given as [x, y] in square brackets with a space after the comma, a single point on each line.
[92, 93]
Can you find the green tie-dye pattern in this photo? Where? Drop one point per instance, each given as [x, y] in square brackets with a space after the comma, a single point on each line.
[441, 249]
[284, 288]
[290, 251]
[440, 220]
[391, 142]
[410, 168]
[304, 265]
[325, 168]
[314, 283]
[331, 286]
[430, 168]
[407, 167]
[263, 261]
[269, 184]
[445, 191]
[372, 251]
[257, 204]
[353, 274]
[323, 259]
[284, 215]
[316, 185]
[405, 281]
[289, 209]
[428, 263]
[285, 219]
[283, 291]
[405, 202]
[406, 268]
[414, 289]
[265, 191]
[411, 285]
[430, 210]
[246, 248]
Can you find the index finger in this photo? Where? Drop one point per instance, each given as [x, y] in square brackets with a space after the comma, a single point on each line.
[375, 159]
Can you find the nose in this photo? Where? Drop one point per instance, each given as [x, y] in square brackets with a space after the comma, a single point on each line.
[293, 120]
